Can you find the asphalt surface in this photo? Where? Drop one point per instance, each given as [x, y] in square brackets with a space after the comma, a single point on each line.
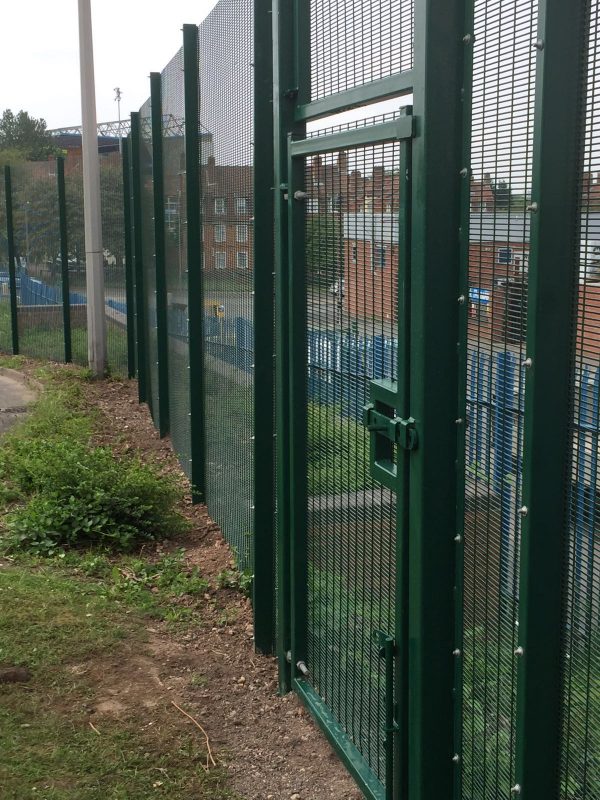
[15, 398]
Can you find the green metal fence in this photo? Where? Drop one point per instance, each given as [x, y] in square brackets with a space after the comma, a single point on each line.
[362, 243]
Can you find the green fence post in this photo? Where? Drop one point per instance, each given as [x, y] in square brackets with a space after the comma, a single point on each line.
[129, 278]
[437, 162]
[12, 272]
[64, 257]
[264, 404]
[159, 254]
[193, 189]
[138, 265]
[286, 74]
[553, 274]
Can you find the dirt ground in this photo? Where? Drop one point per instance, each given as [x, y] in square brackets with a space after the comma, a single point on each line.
[270, 746]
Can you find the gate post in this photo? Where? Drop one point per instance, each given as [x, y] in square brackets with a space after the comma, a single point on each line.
[64, 257]
[553, 274]
[435, 248]
[12, 272]
[159, 254]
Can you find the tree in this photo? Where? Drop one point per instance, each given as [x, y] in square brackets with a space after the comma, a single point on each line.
[324, 257]
[25, 135]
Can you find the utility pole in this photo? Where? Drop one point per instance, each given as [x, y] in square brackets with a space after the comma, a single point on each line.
[96, 322]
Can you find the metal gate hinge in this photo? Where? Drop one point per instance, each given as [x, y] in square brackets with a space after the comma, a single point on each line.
[396, 429]
[385, 643]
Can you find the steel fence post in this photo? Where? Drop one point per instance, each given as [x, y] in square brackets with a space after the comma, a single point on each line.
[193, 194]
[129, 277]
[64, 257]
[553, 274]
[12, 271]
[140, 299]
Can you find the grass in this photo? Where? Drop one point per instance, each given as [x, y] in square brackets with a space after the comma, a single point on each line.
[78, 619]
[50, 622]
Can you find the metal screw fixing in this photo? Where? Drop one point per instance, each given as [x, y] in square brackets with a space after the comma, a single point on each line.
[456, 652]
[459, 421]
[456, 758]
[461, 299]
[467, 38]
[533, 207]
[302, 668]
[527, 363]
[516, 789]
[464, 172]
[539, 44]
[523, 511]
[458, 538]
[519, 651]
[299, 195]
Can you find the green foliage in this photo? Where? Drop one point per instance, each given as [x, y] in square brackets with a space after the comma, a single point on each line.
[241, 581]
[27, 135]
[338, 451]
[73, 494]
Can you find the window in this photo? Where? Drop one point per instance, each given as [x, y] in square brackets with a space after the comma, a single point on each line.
[220, 233]
[505, 255]
[354, 256]
[378, 256]
[313, 205]
[241, 205]
[172, 214]
[242, 260]
[219, 205]
[220, 260]
[241, 233]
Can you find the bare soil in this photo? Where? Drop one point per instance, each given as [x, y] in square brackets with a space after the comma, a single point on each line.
[268, 743]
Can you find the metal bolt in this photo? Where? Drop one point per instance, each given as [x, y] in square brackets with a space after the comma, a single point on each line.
[467, 38]
[302, 668]
[456, 652]
[539, 44]
[527, 363]
[516, 789]
[456, 758]
[523, 511]
[533, 207]
[519, 651]
[461, 299]
[459, 421]
[288, 656]
[298, 195]
[458, 538]
[464, 172]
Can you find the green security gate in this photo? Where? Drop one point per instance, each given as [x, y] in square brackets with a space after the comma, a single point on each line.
[367, 257]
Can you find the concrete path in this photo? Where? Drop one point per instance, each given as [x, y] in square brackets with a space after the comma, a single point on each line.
[15, 397]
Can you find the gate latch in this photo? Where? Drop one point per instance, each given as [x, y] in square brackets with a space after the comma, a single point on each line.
[397, 430]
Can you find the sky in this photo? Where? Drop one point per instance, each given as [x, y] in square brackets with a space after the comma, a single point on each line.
[39, 56]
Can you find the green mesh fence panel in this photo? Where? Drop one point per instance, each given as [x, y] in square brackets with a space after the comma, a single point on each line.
[503, 86]
[226, 136]
[581, 658]
[352, 278]
[113, 243]
[354, 43]
[176, 266]
[76, 242]
[5, 329]
[148, 257]
[37, 245]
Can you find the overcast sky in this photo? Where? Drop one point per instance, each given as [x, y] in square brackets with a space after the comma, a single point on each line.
[39, 55]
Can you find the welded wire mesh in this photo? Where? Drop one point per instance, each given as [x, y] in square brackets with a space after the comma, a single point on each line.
[176, 264]
[77, 264]
[226, 102]
[581, 712]
[37, 245]
[503, 85]
[355, 43]
[149, 258]
[352, 275]
[5, 321]
[113, 244]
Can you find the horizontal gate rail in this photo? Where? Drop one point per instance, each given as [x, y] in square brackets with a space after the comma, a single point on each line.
[393, 131]
[382, 89]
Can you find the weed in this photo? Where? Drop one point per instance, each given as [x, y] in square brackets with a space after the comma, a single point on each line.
[234, 579]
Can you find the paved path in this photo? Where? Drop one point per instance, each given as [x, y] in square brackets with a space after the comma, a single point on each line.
[15, 397]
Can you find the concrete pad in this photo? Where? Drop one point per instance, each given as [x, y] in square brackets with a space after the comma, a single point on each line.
[15, 397]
